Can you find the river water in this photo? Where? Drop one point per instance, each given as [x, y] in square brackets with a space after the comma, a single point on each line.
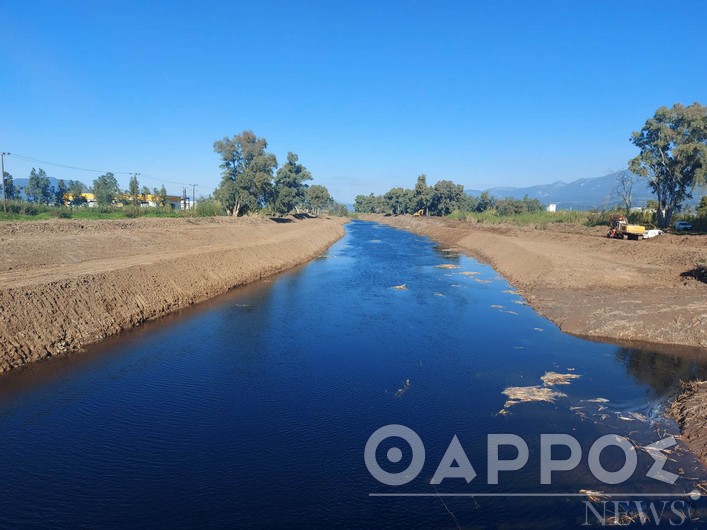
[254, 410]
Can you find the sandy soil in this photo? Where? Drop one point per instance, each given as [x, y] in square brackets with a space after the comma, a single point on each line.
[605, 289]
[68, 283]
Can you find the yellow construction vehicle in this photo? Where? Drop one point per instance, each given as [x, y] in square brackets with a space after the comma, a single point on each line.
[619, 228]
[419, 213]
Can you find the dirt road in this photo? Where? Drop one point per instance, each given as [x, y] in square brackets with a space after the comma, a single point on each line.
[68, 283]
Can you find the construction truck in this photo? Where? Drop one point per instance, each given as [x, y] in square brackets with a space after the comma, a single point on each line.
[419, 213]
[619, 228]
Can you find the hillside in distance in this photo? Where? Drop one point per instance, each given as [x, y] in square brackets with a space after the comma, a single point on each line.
[583, 194]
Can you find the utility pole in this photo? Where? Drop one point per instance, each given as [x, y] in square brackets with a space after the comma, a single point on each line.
[4, 196]
[193, 194]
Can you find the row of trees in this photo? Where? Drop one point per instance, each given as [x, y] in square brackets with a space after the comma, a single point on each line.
[139, 195]
[251, 180]
[440, 199]
[106, 190]
[39, 189]
[443, 198]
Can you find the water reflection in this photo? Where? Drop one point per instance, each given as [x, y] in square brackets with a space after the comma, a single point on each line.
[662, 372]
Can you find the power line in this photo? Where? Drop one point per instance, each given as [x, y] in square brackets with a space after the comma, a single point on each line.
[148, 177]
[30, 159]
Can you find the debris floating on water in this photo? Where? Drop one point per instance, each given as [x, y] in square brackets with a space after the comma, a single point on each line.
[497, 306]
[479, 280]
[469, 273]
[439, 294]
[406, 387]
[538, 329]
[510, 312]
[553, 378]
[447, 266]
[593, 495]
[401, 287]
[527, 394]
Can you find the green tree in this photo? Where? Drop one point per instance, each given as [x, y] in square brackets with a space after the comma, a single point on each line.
[447, 197]
[289, 190]
[106, 189]
[485, 202]
[144, 192]
[422, 194]
[75, 189]
[39, 188]
[317, 197]
[134, 190]
[702, 207]
[363, 203]
[10, 191]
[59, 192]
[247, 173]
[163, 196]
[673, 155]
[395, 201]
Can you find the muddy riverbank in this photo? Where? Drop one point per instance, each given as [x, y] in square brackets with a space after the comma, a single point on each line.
[65, 284]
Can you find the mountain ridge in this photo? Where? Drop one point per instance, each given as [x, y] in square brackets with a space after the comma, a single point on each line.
[581, 194]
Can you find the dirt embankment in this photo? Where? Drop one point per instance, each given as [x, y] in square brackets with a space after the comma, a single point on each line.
[591, 286]
[690, 411]
[66, 284]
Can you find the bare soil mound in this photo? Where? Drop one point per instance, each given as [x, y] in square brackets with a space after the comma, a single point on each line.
[68, 283]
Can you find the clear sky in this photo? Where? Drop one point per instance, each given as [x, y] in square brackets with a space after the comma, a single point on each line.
[369, 94]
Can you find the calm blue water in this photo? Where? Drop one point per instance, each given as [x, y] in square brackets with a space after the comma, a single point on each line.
[254, 410]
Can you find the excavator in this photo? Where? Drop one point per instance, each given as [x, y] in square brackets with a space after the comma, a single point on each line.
[619, 228]
[419, 213]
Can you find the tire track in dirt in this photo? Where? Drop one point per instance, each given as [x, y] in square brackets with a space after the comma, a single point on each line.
[80, 290]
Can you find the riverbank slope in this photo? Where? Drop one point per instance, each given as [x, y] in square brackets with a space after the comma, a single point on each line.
[589, 285]
[594, 287]
[65, 284]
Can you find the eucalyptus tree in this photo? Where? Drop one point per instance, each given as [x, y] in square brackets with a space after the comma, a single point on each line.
[673, 155]
[247, 173]
[290, 187]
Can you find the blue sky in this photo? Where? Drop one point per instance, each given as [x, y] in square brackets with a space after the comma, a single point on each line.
[368, 94]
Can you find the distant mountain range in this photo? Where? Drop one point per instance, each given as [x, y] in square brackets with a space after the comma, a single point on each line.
[582, 194]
